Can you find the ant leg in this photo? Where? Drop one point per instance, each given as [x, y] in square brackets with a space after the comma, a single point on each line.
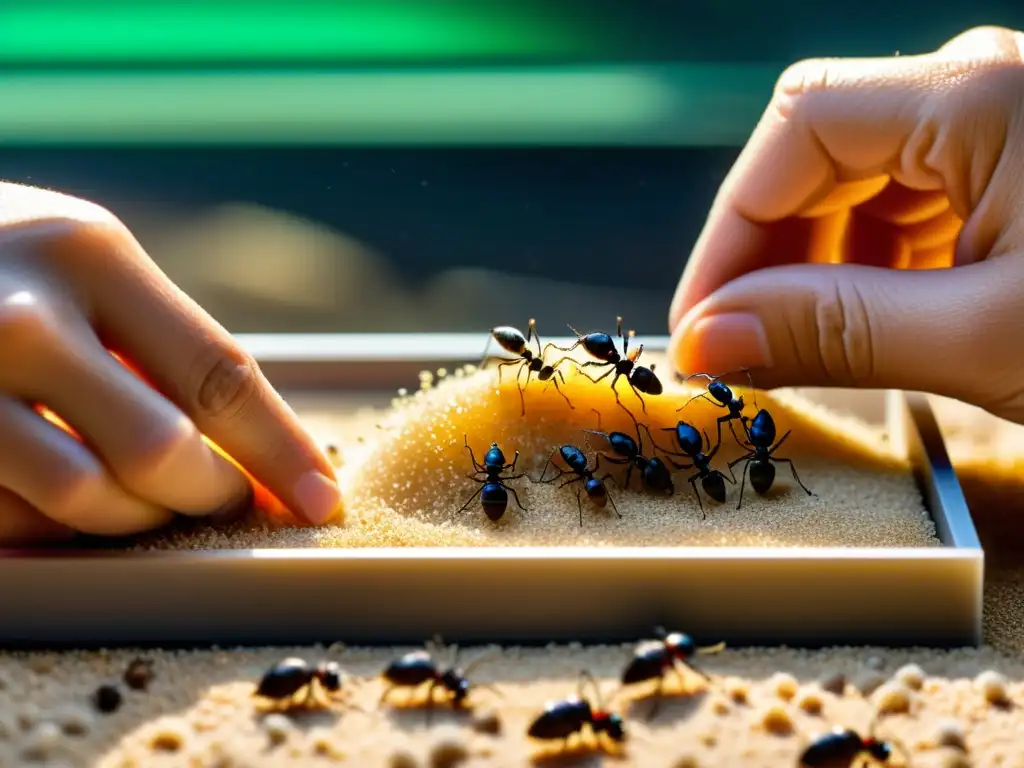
[570, 481]
[693, 482]
[515, 496]
[387, 692]
[571, 347]
[512, 467]
[676, 465]
[796, 477]
[579, 503]
[707, 440]
[656, 699]
[522, 395]
[550, 462]
[743, 481]
[782, 439]
[478, 467]
[734, 435]
[558, 389]
[472, 498]
[643, 404]
[629, 474]
[703, 395]
[615, 509]
[507, 362]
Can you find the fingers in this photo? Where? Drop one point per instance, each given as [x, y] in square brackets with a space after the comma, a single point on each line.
[833, 134]
[58, 476]
[22, 525]
[191, 359]
[852, 325]
[148, 445]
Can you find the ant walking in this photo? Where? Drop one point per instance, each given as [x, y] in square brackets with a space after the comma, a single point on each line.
[653, 472]
[577, 462]
[761, 459]
[568, 717]
[513, 341]
[692, 447]
[493, 491]
[720, 394]
[848, 746]
[602, 347]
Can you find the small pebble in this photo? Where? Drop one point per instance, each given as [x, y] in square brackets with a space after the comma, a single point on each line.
[992, 686]
[720, 706]
[73, 719]
[42, 664]
[42, 741]
[487, 722]
[169, 734]
[911, 675]
[809, 700]
[834, 683]
[333, 454]
[139, 674]
[107, 699]
[738, 690]
[403, 759]
[949, 733]
[877, 663]
[868, 683]
[277, 727]
[775, 719]
[448, 749]
[686, 761]
[784, 685]
[893, 698]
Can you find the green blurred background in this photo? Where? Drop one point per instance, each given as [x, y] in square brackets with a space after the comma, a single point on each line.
[387, 165]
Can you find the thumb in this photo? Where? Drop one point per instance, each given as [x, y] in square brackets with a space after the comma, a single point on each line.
[956, 332]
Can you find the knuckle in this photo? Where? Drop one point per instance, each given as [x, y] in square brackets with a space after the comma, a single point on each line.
[842, 328]
[226, 382]
[151, 462]
[798, 81]
[27, 322]
[76, 495]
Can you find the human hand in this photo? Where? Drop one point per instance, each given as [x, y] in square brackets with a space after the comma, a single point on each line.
[871, 233]
[74, 283]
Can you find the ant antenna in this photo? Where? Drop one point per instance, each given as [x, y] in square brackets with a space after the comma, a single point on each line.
[618, 321]
[587, 676]
[531, 332]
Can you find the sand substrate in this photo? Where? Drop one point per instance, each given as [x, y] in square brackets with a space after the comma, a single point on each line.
[762, 706]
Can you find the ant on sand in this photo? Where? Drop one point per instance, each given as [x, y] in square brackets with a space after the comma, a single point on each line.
[418, 667]
[653, 472]
[566, 718]
[602, 346]
[577, 462]
[493, 491]
[654, 658]
[692, 447]
[720, 394]
[761, 459]
[513, 341]
[845, 744]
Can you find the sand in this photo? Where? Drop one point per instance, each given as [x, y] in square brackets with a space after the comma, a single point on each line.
[760, 708]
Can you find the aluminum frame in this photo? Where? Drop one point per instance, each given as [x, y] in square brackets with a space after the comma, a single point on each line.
[746, 596]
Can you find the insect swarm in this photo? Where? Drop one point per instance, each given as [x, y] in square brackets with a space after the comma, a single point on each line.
[513, 341]
[692, 447]
[652, 659]
[594, 486]
[567, 718]
[289, 676]
[654, 474]
[493, 491]
[761, 459]
[602, 347]
[418, 667]
[844, 745]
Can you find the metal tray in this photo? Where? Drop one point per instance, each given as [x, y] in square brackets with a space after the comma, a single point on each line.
[745, 596]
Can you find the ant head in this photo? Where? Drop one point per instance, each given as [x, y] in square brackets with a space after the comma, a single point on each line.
[601, 346]
[610, 724]
[879, 750]
[597, 492]
[494, 457]
[511, 339]
[681, 645]
[329, 674]
[720, 391]
[457, 683]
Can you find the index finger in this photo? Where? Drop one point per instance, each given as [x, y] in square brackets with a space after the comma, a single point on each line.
[833, 134]
[196, 363]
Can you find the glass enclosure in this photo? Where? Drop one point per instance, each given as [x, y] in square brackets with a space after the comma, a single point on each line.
[387, 165]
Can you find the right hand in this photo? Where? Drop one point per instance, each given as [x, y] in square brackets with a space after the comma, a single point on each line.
[871, 233]
[73, 284]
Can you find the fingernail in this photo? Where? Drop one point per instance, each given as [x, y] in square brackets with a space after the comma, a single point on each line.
[319, 497]
[720, 343]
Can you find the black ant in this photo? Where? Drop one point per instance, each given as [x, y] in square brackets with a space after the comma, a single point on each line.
[493, 491]
[602, 347]
[286, 678]
[653, 659]
[691, 446]
[653, 472]
[761, 435]
[418, 667]
[722, 395]
[566, 718]
[578, 465]
[847, 745]
[512, 340]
